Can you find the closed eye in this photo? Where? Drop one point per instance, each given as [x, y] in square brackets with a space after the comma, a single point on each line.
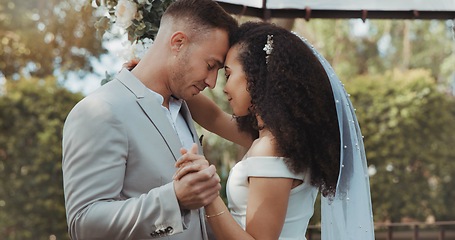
[227, 71]
[227, 76]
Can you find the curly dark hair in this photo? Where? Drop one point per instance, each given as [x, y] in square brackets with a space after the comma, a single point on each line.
[293, 96]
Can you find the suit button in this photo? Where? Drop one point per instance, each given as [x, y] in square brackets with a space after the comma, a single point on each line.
[169, 229]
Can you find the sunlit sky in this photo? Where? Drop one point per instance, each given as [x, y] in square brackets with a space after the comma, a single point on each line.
[110, 62]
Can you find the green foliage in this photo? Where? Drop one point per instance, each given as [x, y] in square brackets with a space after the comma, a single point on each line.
[350, 55]
[386, 44]
[408, 126]
[426, 44]
[32, 113]
[46, 37]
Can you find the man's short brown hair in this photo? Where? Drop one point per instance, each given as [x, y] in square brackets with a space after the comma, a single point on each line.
[201, 15]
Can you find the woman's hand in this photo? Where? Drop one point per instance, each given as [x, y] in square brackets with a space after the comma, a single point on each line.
[190, 161]
[131, 64]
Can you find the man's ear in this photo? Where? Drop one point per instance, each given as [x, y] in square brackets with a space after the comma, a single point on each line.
[178, 40]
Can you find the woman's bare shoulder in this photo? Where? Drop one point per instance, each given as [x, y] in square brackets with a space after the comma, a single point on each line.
[264, 147]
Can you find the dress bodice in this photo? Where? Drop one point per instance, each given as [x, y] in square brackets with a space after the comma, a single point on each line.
[301, 199]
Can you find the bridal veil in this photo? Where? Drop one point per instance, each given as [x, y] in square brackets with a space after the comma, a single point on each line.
[347, 215]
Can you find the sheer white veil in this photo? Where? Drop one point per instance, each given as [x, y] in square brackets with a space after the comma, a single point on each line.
[348, 215]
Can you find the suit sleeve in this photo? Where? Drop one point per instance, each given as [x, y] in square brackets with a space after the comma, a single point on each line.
[95, 151]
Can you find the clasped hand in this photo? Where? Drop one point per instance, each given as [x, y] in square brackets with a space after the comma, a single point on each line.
[196, 182]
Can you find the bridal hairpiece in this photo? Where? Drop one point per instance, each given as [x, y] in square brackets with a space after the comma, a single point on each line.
[268, 47]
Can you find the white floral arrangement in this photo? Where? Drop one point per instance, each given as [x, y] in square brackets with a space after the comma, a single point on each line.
[139, 18]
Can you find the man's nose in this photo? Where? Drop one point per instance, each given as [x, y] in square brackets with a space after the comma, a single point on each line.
[210, 81]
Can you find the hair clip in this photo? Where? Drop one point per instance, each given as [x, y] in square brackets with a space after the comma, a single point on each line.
[268, 47]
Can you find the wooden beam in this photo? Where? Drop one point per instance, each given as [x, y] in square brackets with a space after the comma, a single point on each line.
[333, 14]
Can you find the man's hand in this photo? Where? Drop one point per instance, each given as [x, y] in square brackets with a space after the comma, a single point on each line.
[190, 162]
[197, 189]
[196, 183]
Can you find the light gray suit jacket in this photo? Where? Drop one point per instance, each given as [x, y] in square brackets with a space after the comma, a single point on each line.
[119, 151]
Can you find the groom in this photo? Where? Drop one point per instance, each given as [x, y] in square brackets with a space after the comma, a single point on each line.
[121, 142]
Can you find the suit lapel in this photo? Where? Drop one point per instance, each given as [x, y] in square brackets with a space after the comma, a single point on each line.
[152, 110]
[189, 121]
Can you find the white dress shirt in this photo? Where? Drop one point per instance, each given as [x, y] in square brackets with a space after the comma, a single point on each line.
[176, 119]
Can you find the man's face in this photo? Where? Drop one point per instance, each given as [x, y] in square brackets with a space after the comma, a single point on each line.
[198, 63]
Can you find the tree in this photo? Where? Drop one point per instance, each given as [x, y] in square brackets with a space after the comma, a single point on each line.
[348, 53]
[32, 112]
[414, 44]
[408, 126]
[47, 37]
[386, 44]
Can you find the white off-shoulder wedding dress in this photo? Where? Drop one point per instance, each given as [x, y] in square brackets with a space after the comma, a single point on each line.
[301, 200]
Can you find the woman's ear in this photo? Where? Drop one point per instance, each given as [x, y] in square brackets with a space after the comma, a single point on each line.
[178, 40]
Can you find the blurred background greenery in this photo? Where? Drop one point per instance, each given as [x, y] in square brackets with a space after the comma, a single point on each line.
[400, 74]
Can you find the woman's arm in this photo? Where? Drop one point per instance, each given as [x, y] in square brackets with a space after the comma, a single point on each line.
[267, 200]
[266, 211]
[267, 203]
[207, 114]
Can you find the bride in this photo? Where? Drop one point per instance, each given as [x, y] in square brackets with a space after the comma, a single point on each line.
[285, 95]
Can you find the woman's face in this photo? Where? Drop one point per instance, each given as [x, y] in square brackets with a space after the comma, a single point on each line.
[236, 84]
